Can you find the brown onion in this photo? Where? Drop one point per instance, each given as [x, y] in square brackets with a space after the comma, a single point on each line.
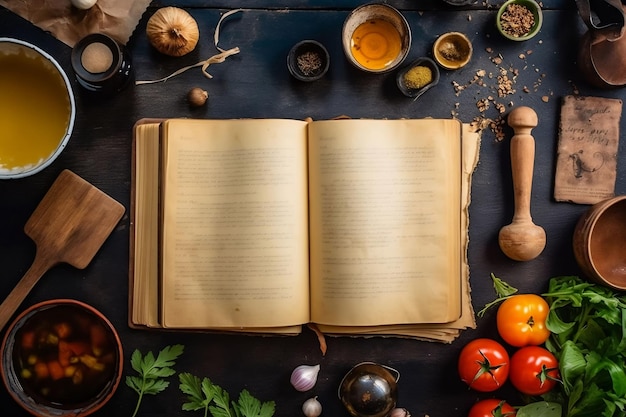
[172, 31]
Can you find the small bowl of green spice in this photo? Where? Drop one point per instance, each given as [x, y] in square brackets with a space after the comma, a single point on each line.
[308, 60]
[418, 77]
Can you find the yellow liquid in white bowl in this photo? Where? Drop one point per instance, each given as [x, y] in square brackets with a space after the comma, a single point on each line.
[375, 44]
[35, 108]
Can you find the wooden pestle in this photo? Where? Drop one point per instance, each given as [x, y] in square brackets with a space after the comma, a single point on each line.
[522, 240]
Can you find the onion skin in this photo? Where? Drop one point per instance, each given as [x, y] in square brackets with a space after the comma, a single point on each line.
[304, 377]
[172, 31]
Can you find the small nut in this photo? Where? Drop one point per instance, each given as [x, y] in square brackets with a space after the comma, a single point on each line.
[197, 97]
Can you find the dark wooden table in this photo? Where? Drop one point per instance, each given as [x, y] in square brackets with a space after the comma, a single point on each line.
[256, 84]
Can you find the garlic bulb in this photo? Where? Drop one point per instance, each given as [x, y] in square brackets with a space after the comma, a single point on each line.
[83, 4]
[312, 407]
[304, 377]
[172, 31]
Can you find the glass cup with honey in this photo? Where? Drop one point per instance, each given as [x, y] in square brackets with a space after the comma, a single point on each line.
[376, 38]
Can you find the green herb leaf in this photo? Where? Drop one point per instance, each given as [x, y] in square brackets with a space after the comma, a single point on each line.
[203, 394]
[503, 291]
[197, 397]
[502, 288]
[250, 406]
[540, 409]
[151, 371]
[588, 325]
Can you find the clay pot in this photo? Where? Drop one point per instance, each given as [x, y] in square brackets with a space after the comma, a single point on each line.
[54, 311]
[599, 241]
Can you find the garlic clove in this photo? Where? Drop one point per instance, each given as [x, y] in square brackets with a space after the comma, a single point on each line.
[83, 4]
[172, 31]
[304, 377]
[312, 407]
[197, 97]
[399, 412]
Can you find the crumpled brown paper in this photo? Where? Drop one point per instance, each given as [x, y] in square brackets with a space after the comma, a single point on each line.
[116, 18]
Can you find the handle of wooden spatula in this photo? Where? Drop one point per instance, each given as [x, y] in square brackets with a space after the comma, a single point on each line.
[21, 290]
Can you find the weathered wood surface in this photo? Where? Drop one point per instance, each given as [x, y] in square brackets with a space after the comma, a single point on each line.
[256, 83]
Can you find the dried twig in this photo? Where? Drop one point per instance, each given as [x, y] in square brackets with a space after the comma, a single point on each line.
[215, 59]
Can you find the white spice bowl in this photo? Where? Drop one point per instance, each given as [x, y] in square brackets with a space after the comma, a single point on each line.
[379, 50]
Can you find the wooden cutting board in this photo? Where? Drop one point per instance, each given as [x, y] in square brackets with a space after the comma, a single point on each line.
[69, 225]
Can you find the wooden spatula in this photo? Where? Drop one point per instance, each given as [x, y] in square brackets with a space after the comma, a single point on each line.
[69, 225]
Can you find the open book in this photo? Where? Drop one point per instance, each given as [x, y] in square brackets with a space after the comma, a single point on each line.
[263, 225]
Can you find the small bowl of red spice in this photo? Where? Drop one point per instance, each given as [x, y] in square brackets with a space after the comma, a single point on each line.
[519, 20]
[308, 60]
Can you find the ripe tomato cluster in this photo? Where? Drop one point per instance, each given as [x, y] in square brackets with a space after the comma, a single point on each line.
[485, 365]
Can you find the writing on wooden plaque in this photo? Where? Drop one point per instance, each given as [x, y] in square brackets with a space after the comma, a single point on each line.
[586, 165]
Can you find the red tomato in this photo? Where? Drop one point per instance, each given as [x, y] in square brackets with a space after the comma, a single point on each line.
[521, 320]
[534, 370]
[491, 408]
[484, 365]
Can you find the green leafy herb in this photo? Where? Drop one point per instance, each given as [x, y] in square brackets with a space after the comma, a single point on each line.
[152, 371]
[202, 394]
[540, 409]
[503, 291]
[588, 337]
[588, 325]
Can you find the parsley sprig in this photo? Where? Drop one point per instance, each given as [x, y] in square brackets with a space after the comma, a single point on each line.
[152, 371]
[202, 394]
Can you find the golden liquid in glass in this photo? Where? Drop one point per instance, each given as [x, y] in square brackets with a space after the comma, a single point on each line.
[375, 44]
[34, 107]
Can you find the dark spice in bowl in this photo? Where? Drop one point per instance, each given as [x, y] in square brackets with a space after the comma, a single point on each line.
[308, 60]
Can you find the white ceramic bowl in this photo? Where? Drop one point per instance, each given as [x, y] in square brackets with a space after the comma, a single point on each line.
[384, 48]
[36, 93]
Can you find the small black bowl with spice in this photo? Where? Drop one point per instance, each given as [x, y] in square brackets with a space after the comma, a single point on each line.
[419, 76]
[308, 60]
[519, 20]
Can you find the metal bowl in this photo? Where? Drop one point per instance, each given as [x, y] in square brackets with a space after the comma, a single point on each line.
[369, 390]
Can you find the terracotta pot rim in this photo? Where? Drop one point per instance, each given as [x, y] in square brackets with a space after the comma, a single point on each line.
[100, 401]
